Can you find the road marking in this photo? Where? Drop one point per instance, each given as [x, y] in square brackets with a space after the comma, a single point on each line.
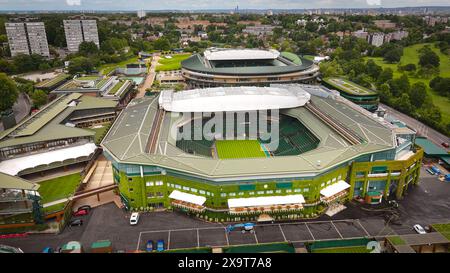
[282, 233]
[226, 236]
[359, 222]
[168, 241]
[139, 241]
[342, 237]
[256, 238]
[198, 239]
[310, 231]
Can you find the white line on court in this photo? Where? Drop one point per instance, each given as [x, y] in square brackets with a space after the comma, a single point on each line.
[139, 241]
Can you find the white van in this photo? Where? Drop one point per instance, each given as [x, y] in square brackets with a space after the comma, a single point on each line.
[134, 219]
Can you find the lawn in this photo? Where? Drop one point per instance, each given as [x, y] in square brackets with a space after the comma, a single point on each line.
[174, 63]
[411, 55]
[444, 229]
[58, 188]
[52, 82]
[261, 248]
[116, 88]
[349, 87]
[100, 132]
[239, 149]
[349, 249]
[107, 68]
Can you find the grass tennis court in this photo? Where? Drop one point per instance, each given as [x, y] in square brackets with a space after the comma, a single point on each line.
[350, 249]
[239, 149]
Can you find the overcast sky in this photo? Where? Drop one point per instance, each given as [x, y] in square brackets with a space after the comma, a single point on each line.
[207, 4]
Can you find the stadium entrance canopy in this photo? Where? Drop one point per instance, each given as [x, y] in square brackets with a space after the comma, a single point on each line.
[16, 165]
[266, 203]
[232, 99]
[334, 191]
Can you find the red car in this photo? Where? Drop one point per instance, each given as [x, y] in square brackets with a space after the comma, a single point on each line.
[81, 212]
[445, 144]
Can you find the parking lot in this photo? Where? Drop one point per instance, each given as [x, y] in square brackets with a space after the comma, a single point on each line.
[294, 232]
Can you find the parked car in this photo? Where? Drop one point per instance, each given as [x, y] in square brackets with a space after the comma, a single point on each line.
[81, 212]
[419, 229]
[85, 207]
[134, 219]
[445, 144]
[160, 246]
[430, 171]
[76, 222]
[149, 247]
[48, 250]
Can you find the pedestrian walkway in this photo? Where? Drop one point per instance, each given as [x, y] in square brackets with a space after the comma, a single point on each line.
[149, 79]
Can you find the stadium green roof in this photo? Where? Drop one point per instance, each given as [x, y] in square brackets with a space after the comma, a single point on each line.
[13, 182]
[127, 139]
[195, 63]
[430, 148]
[46, 125]
[349, 87]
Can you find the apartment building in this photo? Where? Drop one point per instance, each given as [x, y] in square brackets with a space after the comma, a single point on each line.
[78, 31]
[27, 38]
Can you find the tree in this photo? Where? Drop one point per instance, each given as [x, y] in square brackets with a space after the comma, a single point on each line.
[386, 75]
[39, 98]
[428, 57]
[394, 55]
[80, 65]
[385, 93]
[8, 92]
[399, 86]
[441, 86]
[418, 94]
[162, 44]
[87, 49]
[403, 103]
[373, 70]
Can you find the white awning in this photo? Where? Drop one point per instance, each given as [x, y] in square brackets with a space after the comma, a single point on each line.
[16, 165]
[266, 201]
[187, 197]
[335, 188]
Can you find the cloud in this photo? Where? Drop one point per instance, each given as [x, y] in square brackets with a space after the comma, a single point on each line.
[73, 2]
[373, 2]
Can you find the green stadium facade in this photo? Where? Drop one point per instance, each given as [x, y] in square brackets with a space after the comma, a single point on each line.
[355, 155]
[246, 67]
[357, 94]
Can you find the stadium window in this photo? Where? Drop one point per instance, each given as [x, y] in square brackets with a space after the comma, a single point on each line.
[288, 191]
[306, 189]
[150, 195]
[194, 190]
[328, 182]
[232, 194]
[177, 186]
[334, 179]
[323, 184]
[201, 191]
[340, 177]
[240, 193]
[186, 188]
[131, 189]
[159, 183]
[159, 194]
[260, 192]
[251, 193]
[297, 190]
[278, 191]
[149, 184]
[208, 193]
[223, 195]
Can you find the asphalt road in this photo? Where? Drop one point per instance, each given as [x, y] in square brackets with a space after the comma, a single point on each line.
[425, 204]
[21, 109]
[422, 129]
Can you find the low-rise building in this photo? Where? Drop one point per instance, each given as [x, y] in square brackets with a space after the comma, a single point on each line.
[58, 136]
